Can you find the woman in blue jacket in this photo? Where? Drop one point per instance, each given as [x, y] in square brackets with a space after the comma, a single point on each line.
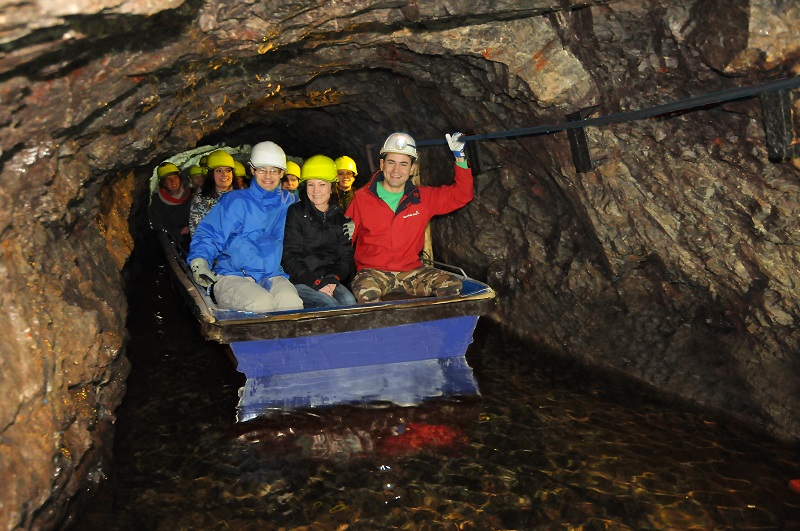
[242, 238]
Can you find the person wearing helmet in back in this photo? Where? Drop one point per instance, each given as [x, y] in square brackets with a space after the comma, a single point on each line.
[388, 223]
[240, 174]
[196, 178]
[316, 253]
[346, 171]
[218, 180]
[169, 208]
[237, 248]
[291, 179]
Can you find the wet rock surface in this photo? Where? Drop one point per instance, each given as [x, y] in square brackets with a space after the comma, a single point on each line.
[673, 261]
[545, 446]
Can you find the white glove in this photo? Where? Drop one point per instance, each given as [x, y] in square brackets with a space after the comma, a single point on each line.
[202, 273]
[456, 146]
[349, 228]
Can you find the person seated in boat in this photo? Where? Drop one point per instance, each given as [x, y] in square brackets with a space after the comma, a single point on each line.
[242, 238]
[389, 218]
[196, 178]
[240, 174]
[169, 208]
[346, 171]
[316, 253]
[219, 180]
[291, 179]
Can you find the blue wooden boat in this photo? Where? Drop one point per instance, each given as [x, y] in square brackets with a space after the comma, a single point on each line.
[366, 352]
[316, 339]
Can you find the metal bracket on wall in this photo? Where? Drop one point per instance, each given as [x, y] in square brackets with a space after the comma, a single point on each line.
[473, 152]
[776, 110]
[578, 142]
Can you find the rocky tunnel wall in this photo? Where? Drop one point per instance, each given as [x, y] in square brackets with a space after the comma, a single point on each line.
[672, 261]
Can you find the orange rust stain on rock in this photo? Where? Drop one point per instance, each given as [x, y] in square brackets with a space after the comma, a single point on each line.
[539, 62]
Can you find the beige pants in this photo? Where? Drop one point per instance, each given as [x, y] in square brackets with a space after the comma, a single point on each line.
[242, 293]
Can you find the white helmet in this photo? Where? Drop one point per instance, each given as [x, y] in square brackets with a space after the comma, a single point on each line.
[268, 154]
[400, 143]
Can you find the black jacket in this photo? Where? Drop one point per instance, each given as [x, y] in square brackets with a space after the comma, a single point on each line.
[316, 251]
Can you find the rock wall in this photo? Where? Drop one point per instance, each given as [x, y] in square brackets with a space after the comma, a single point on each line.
[672, 261]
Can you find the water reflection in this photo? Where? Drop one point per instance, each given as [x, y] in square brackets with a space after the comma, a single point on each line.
[544, 446]
[406, 384]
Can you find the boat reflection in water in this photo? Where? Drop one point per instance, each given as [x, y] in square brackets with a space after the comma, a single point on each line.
[278, 410]
[404, 384]
[341, 433]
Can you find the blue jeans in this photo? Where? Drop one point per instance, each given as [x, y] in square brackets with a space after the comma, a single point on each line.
[316, 299]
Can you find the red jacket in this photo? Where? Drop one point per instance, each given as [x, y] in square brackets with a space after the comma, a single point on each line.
[392, 241]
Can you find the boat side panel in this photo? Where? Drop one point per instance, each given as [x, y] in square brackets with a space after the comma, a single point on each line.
[444, 338]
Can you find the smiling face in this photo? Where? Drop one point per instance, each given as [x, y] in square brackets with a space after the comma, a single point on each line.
[346, 179]
[319, 192]
[172, 183]
[396, 168]
[223, 178]
[268, 178]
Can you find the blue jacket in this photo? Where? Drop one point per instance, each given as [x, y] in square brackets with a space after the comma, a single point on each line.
[244, 233]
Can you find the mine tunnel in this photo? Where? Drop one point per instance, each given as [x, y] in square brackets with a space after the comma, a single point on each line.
[659, 250]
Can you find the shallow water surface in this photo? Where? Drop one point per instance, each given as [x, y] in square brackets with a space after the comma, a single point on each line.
[543, 447]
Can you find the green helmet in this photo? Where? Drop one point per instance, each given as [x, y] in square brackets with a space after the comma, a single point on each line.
[167, 168]
[319, 167]
[219, 159]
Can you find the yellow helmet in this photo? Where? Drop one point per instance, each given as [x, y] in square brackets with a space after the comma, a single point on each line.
[346, 163]
[238, 169]
[195, 170]
[319, 167]
[167, 168]
[292, 168]
[219, 159]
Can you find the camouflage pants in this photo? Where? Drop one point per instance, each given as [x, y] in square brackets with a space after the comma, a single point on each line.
[370, 285]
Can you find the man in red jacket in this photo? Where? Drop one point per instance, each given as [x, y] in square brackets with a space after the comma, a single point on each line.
[390, 216]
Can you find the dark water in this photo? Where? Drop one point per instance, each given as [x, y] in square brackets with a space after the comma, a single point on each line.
[543, 447]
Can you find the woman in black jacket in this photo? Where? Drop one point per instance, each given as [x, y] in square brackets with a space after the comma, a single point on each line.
[316, 253]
